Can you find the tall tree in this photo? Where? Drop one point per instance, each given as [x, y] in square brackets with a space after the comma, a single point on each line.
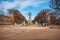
[41, 17]
[18, 17]
[55, 4]
[29, 20]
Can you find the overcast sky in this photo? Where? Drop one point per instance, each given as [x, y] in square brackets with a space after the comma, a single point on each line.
[25, 6]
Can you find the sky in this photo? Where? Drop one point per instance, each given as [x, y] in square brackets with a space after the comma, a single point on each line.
[25, 6]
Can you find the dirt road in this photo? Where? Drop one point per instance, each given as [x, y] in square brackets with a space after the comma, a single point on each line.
[29, 33]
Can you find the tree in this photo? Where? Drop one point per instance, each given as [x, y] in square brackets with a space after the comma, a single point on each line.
[55, 4]
[41, 17]
[46, 16]
[29, 14]
[18, 17]
[29, 20]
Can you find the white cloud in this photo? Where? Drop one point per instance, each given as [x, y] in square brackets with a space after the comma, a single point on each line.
[34, 3]
[23, 3]
[9, 5]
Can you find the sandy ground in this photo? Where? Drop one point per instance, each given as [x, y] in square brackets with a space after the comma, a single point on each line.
[29, 33]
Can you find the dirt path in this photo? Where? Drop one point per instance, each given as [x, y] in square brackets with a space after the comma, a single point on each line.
[29, 33]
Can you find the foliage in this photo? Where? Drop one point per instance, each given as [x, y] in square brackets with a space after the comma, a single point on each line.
[18, 17]
[55, 4]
